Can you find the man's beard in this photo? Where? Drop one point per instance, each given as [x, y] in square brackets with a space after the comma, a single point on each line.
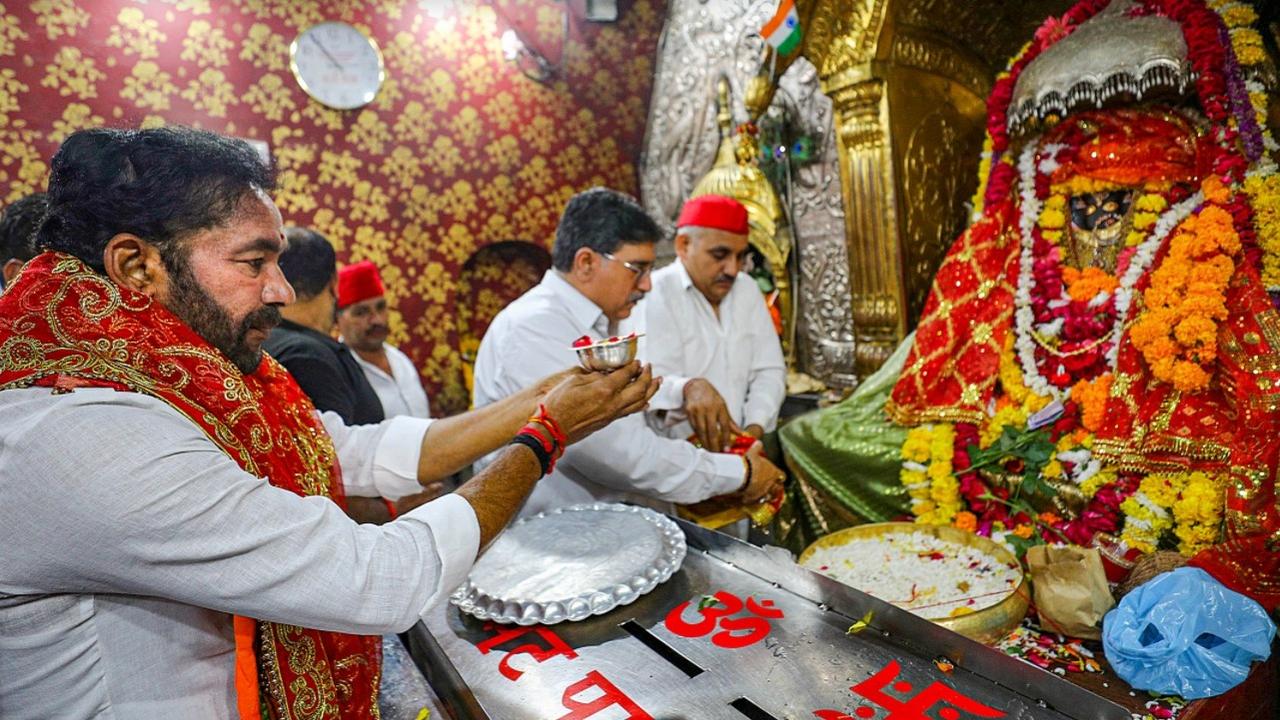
[201, 312]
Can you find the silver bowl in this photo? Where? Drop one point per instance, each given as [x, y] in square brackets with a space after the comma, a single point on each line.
[606, 355]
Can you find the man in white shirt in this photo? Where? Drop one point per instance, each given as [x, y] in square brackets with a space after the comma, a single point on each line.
[362, 323]
[709, 334]
[601, 262]
[136, 413]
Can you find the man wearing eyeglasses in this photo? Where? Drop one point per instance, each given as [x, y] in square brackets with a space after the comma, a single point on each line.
[709, 333]
[602, 258]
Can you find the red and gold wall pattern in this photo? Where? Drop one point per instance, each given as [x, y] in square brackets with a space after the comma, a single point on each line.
[458, 151]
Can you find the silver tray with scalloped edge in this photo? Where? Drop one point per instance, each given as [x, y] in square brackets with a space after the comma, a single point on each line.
[571, 563]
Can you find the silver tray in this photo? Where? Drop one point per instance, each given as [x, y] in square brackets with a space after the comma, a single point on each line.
[571, 563]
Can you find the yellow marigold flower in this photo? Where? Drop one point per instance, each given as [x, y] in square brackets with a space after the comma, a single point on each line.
[1162, 489]
[1092, 397]
[1214, 190]
[1216, 270]
[1187, 246]
[1151, 203]
[916, 446]
[1189, 376]
[911, 477]
[1144, 219]
[1195, 330]
[1239, 15]
[1053, 469]
[1051, 218]
[1083, 286]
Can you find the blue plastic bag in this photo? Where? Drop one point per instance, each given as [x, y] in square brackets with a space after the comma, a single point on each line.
[1184, 633]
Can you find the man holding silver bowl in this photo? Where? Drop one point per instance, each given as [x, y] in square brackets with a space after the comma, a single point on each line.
[602, 259]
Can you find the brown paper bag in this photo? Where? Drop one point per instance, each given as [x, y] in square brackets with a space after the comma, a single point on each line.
[1070, 589]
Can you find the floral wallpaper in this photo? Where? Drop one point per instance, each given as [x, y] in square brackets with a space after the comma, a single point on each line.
[458, 151]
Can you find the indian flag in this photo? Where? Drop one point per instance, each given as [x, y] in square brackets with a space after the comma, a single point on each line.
[783, 29]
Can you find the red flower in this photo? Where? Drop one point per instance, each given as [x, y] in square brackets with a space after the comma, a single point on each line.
[1051, 32]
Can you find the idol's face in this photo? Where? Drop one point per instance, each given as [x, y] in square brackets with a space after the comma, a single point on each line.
[712, 258]
[226, 282]
[363, 325]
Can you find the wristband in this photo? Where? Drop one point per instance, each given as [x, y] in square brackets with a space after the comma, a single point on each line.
[747, 481]
[553, 427]
[544, 457]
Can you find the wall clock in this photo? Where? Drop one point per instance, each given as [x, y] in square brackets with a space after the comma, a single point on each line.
[337, 65]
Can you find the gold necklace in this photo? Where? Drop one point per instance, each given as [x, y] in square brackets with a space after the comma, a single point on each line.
[1078, 351]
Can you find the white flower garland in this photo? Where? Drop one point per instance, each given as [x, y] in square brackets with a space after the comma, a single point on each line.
[1025, 328]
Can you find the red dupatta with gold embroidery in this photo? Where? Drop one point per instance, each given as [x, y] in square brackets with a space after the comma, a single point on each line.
[65, 326]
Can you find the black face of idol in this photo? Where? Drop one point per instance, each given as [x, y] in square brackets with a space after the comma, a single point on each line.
[1100, 211]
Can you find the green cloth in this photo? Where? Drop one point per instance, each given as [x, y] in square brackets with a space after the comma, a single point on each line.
[846, 460]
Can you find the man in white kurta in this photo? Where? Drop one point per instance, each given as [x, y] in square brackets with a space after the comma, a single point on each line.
[130, 539]
[706, 324]
[362, 322]
[400, 390]
[601, 261]
[130, 536]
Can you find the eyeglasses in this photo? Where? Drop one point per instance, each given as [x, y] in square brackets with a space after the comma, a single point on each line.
[641, 270]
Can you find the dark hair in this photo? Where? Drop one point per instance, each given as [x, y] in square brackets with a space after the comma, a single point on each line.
[161, 184]
[600, 219]
[309, 263]
[18, 227]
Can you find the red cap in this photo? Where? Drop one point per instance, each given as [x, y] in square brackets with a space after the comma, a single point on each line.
[716, 212]
[359, 281]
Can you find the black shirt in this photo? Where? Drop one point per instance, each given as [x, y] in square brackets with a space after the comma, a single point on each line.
[327, 372]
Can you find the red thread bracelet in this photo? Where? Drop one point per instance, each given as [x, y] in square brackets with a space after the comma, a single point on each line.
[532, 430]
[554, 427]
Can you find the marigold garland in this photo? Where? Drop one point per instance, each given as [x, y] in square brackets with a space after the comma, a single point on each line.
[1185, 298]
[1091, 396]
[1177, 334]
[1198, 512]
[1085, 285]
[1264, 196]
[927, 473]
[1189, 504]
[1147, 209]
[1146, 513]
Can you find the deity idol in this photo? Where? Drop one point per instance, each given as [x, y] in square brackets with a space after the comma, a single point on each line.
[1098, 360]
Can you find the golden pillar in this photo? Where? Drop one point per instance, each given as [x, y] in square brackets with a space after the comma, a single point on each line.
[908, 103]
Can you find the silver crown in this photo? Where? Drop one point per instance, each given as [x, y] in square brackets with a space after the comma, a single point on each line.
[1111, 56]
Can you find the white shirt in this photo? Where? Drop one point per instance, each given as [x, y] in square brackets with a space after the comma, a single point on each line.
[737, 352]
[532, 338]
[129, 539]
[400, 392]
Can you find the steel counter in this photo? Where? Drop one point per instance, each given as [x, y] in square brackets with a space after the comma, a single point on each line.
[776, 644]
